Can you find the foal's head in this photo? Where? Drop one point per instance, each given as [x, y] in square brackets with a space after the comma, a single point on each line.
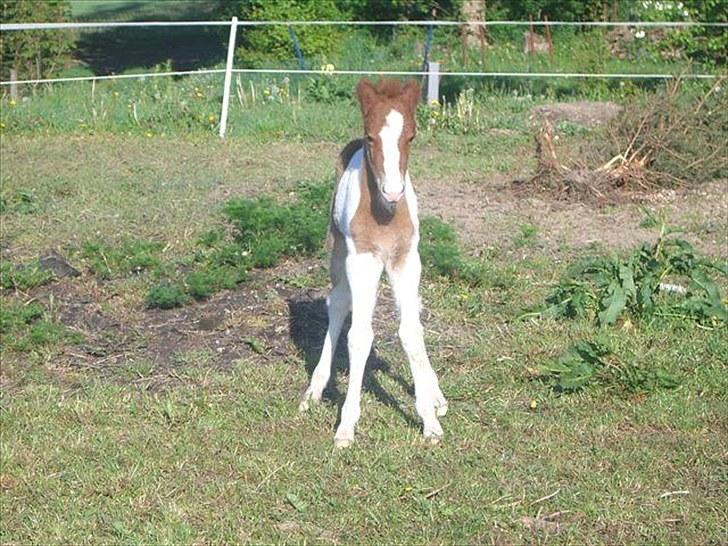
[389, 123]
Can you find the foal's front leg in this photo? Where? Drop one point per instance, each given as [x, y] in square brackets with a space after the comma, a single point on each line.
[363, 272]
[430, 402]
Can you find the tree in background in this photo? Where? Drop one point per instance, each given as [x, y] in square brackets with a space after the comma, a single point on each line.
[273, 42]
[36, 53]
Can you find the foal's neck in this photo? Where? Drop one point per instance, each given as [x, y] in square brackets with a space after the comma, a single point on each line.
[381, 212]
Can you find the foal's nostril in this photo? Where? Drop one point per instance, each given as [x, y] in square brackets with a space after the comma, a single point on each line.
[393, 197]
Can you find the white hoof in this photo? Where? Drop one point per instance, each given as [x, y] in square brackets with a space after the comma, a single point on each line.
[343, 443]
[433, 433]
[307, 397]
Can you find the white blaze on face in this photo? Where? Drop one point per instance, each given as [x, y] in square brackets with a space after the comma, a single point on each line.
[389, 135]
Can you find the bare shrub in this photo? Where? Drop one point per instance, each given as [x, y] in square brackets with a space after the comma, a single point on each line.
[672, 138]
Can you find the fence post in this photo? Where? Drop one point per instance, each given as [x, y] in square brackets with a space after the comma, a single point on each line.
[228, 77]
[13, 85]
[433, 82]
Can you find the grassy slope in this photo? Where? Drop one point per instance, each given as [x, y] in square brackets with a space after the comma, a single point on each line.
[223, 456]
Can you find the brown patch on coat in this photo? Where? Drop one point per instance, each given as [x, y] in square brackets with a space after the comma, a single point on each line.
[387, 235]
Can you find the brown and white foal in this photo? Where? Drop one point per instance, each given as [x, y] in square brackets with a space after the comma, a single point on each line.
[374, 226]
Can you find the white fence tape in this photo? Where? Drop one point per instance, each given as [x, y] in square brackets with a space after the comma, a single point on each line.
[234, 23]
[52, 26]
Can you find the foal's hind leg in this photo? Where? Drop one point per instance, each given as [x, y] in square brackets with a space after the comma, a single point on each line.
[339, 305]
[430, 402]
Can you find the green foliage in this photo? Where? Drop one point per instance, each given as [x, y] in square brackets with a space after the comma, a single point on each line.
[589, 362]
[561, 10]
[36, 53]
[441, 254]
[166, 296]
[206, 281]
[22, 202]
[268, 231]
[264, 231]
[131, 256]
[609, 288]
[260, 45]
[25, 327]
[705, 44]
[328, 88]
[24, 277]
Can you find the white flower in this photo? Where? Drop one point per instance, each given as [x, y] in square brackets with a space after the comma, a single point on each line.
[639, 34]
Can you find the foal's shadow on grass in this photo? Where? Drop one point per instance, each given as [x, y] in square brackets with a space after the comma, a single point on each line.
[307, 325]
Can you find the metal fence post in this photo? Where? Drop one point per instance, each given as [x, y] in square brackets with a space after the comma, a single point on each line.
[228, 77]
[433, 82]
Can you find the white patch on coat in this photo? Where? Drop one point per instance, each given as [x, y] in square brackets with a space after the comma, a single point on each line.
[389, 134]
[348, 194]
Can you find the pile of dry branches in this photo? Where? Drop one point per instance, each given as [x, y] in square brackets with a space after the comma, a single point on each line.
[670, 139]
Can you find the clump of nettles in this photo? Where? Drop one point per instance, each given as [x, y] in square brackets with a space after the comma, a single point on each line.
[663, 279]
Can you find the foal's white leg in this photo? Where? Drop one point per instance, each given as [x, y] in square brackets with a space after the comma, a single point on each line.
[363, 272]
[338, 303]
[430, 401]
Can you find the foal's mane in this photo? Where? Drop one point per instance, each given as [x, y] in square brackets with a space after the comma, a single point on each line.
[389, 88]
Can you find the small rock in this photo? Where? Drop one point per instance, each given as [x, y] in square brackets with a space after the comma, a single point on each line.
[52, 261]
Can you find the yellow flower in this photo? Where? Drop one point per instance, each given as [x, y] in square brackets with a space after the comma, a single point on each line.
[116, 93]
[12, 102]
[2, 125]
[533, 404]
[198, 94]
[211, 118]
[148, 133]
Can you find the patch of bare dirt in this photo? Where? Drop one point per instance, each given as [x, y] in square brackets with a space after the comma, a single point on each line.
[585, 113]
[490, 212]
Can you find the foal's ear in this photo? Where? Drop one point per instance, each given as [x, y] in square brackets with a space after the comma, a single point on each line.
[366, 93]
[411, 93]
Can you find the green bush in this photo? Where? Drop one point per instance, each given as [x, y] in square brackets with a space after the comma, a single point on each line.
[37, 53]
[131, 256]
[166, 296]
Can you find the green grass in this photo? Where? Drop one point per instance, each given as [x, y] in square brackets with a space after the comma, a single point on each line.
[209, 458]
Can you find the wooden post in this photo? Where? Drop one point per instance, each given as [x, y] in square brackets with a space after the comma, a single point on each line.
[547, 31]
[529, 40]
[433, 83]
[228, 77]
[464, 43]
[13, 85]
